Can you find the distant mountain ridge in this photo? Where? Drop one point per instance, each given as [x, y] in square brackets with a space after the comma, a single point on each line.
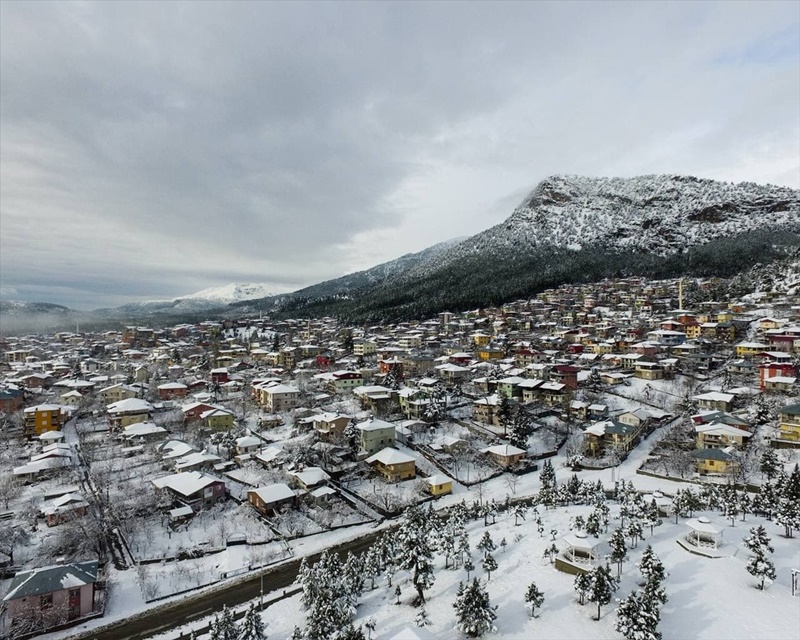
[205, 300]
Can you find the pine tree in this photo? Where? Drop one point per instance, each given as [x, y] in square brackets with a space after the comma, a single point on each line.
[593, 524]
[759, 565]
[534, 598]
[252, 625]
[654, 574]
[468, 567]
[582, 584]
[486, 544]
[422, 619]
[635, 532]
[638, 618]
[619, 550]
[789, 516]
[547, 475]
[769, 463]
[474, 613]
[416, 551]
[489, 564]
[602, 587]
[521, 428]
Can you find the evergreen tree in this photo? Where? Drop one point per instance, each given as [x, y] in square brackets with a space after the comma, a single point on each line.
[582, 584]
[789, 516]
[638, 618]
[654, 574]
[534, 598]
[759, 565]
[652, 517]
[745, 505]
[252, 625]
[547, 475]
[730, 503]
[619, 550]
[468, 567]
[224, 626]
[416, 551]
[767, 500]
[769, 463]
[593, 524]
[474, 613]
[486, 544]
[489, 565]
[635, 532]
[422, 619]
[602, 586]
[520, 429]
[791, 489]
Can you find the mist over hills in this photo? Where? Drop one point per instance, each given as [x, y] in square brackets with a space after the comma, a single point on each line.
[568, 229]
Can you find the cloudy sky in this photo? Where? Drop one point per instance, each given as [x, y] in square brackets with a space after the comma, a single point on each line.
[149, 150]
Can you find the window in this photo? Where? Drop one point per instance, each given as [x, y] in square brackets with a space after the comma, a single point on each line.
[46, 601]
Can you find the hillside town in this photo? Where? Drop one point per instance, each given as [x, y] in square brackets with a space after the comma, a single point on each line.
[163, 460]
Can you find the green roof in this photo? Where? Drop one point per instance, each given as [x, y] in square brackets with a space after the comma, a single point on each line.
[49, 579]
[792, 409]
[711, 454]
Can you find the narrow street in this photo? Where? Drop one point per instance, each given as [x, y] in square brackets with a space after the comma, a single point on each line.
[185, 610]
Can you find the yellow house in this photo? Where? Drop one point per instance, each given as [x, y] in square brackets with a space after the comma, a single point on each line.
[481, 339]
[725, 316]
[440, 485]
[714, 462]
[692, 331]
[789, 424]
[489, 353]
[129, 411]
[43, 418]
[218, 419]
[749, 349]
[393, 465]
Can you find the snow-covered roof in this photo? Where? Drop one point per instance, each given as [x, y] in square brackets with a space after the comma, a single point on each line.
[186, 483]
[505, 450]
[389, 456]
[274, 492]
[132, 405]
[49, 579]
[311, 476]
[374, 424]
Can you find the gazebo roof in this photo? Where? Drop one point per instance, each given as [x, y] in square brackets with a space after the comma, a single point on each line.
[580, 541]
[703, 525]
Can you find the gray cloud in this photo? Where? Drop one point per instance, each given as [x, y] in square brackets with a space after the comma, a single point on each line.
[151, 149]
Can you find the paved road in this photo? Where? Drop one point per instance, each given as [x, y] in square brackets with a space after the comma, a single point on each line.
[177, 614]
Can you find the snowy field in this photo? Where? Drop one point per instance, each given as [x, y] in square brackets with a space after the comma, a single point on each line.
[709, 598]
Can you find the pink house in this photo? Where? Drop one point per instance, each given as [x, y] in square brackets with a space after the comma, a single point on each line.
[50, 596]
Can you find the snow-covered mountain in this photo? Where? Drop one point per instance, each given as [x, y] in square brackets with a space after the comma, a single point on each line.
[230, 293]
[207, 299]
[573, 228]
[658, 214]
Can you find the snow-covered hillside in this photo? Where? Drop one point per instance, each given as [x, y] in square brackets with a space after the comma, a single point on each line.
[230, 293]
[660, 214]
